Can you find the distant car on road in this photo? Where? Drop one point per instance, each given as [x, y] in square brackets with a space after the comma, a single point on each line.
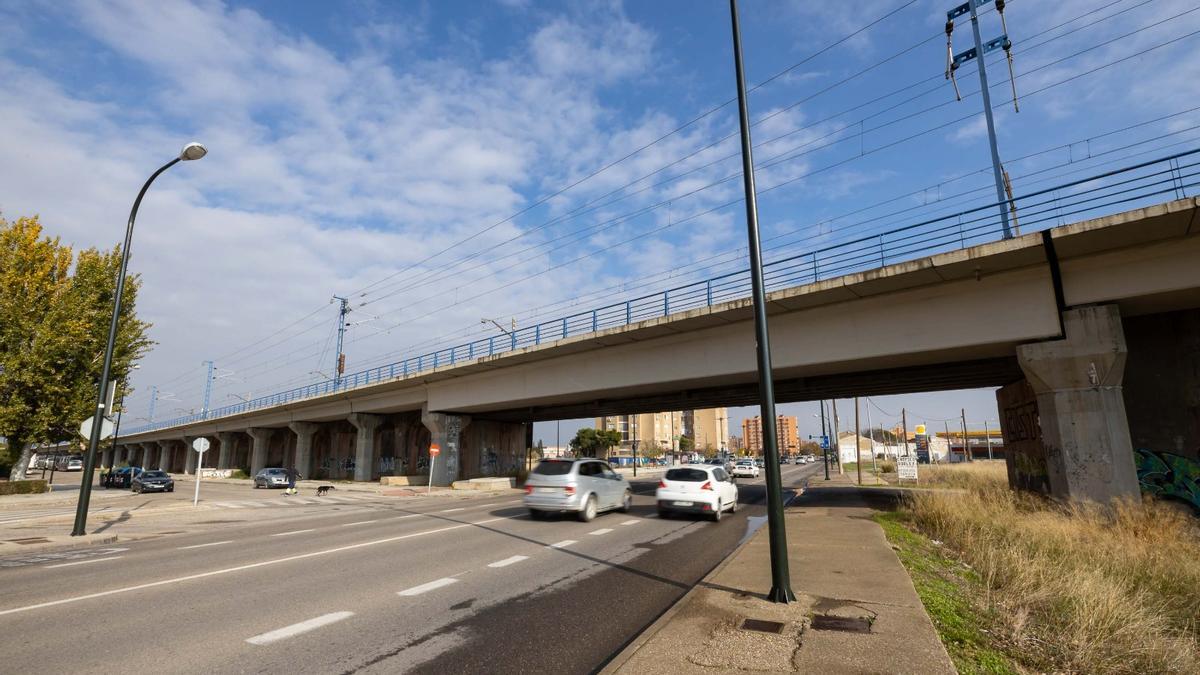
[69, 463]
[697, 488]
[273, 477]
[582, 486]
[745, 468]
[153, 481]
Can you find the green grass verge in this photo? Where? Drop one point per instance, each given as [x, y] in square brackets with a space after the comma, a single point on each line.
[946, 588]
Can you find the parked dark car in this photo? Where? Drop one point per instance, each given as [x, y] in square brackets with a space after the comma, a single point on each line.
[122, 477]
[153, 481]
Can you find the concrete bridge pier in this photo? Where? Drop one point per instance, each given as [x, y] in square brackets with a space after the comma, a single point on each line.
[225, 452]
[118, 455]
[304, 437]
[164, 455]
[364, 444]
[445, 431]
[1077, 382]
[148, 451]
[258, 451]
[189, 455]
[106, 458]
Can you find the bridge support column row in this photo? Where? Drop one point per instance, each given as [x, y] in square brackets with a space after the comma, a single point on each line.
[1077, 383]
[107, 457]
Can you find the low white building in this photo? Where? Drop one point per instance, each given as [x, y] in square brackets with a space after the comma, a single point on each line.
[939, 448]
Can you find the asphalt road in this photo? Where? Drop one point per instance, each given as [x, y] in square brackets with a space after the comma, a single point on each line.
[472, 587]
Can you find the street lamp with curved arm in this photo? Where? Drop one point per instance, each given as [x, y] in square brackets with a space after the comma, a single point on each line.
[191, 151]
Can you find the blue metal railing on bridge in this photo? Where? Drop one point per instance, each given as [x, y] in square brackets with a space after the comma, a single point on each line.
[1128, 187]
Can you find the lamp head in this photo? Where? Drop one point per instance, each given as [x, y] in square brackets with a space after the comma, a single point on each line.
[192, 151]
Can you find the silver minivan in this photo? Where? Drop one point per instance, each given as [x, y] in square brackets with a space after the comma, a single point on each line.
[582, 486]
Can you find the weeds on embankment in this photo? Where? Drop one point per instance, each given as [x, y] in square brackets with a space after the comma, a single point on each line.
[1070, 588]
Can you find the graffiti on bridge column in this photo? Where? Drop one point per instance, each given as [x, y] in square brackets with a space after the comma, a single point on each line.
[1168, 475]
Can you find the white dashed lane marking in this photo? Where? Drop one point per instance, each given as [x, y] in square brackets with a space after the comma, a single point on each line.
[211, 543]
[630, 522]
[284, 534]
[461, 508]
[361, 522]
[298, 628]
[240, 568]
[563, 544]
[603, 530]
[509, 561]
[84, 562]
[425, 588]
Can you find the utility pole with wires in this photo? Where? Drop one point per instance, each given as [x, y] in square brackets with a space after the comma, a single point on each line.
[871, 431]
[978, 52]
[339, 367]
[153, 400]
[966, 443]
[208, 387]
[904, 428]
[837, 440]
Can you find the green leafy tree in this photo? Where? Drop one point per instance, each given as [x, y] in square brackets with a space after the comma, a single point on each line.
[53, 328]
[590, 442]
[686, 444]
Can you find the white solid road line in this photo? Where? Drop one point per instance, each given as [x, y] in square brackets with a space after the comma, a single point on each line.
[630, 522]
[284, 534]
[509, 561]
[563, 544]
[211, 543]
[240, 568]
[361, 522]
[603, 530]
[84, 562]
[298, 628]
[425, 588]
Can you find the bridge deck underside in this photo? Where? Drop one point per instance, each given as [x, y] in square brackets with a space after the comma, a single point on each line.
[992, 372]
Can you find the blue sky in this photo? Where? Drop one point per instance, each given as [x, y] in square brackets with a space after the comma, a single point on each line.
[350, 142]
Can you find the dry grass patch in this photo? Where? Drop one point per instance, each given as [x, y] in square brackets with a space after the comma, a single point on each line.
[1080, 588]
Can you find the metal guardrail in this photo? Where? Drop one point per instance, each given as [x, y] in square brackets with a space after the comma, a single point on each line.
[1140, 184]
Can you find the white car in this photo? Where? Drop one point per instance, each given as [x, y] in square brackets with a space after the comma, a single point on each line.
[696, 488]
[746, 468]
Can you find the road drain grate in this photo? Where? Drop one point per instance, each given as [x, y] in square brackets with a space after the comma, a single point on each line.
[762, 626]
[841, 623]
[30, 540]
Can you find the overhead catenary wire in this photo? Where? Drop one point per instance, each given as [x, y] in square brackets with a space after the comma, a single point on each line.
[801, 176]
[776, 160]
[694, 120]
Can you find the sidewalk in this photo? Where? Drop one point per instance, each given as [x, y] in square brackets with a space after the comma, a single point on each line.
[846, 578]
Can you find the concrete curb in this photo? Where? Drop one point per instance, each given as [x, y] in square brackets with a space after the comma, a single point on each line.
[617, 662]
[57, 544]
